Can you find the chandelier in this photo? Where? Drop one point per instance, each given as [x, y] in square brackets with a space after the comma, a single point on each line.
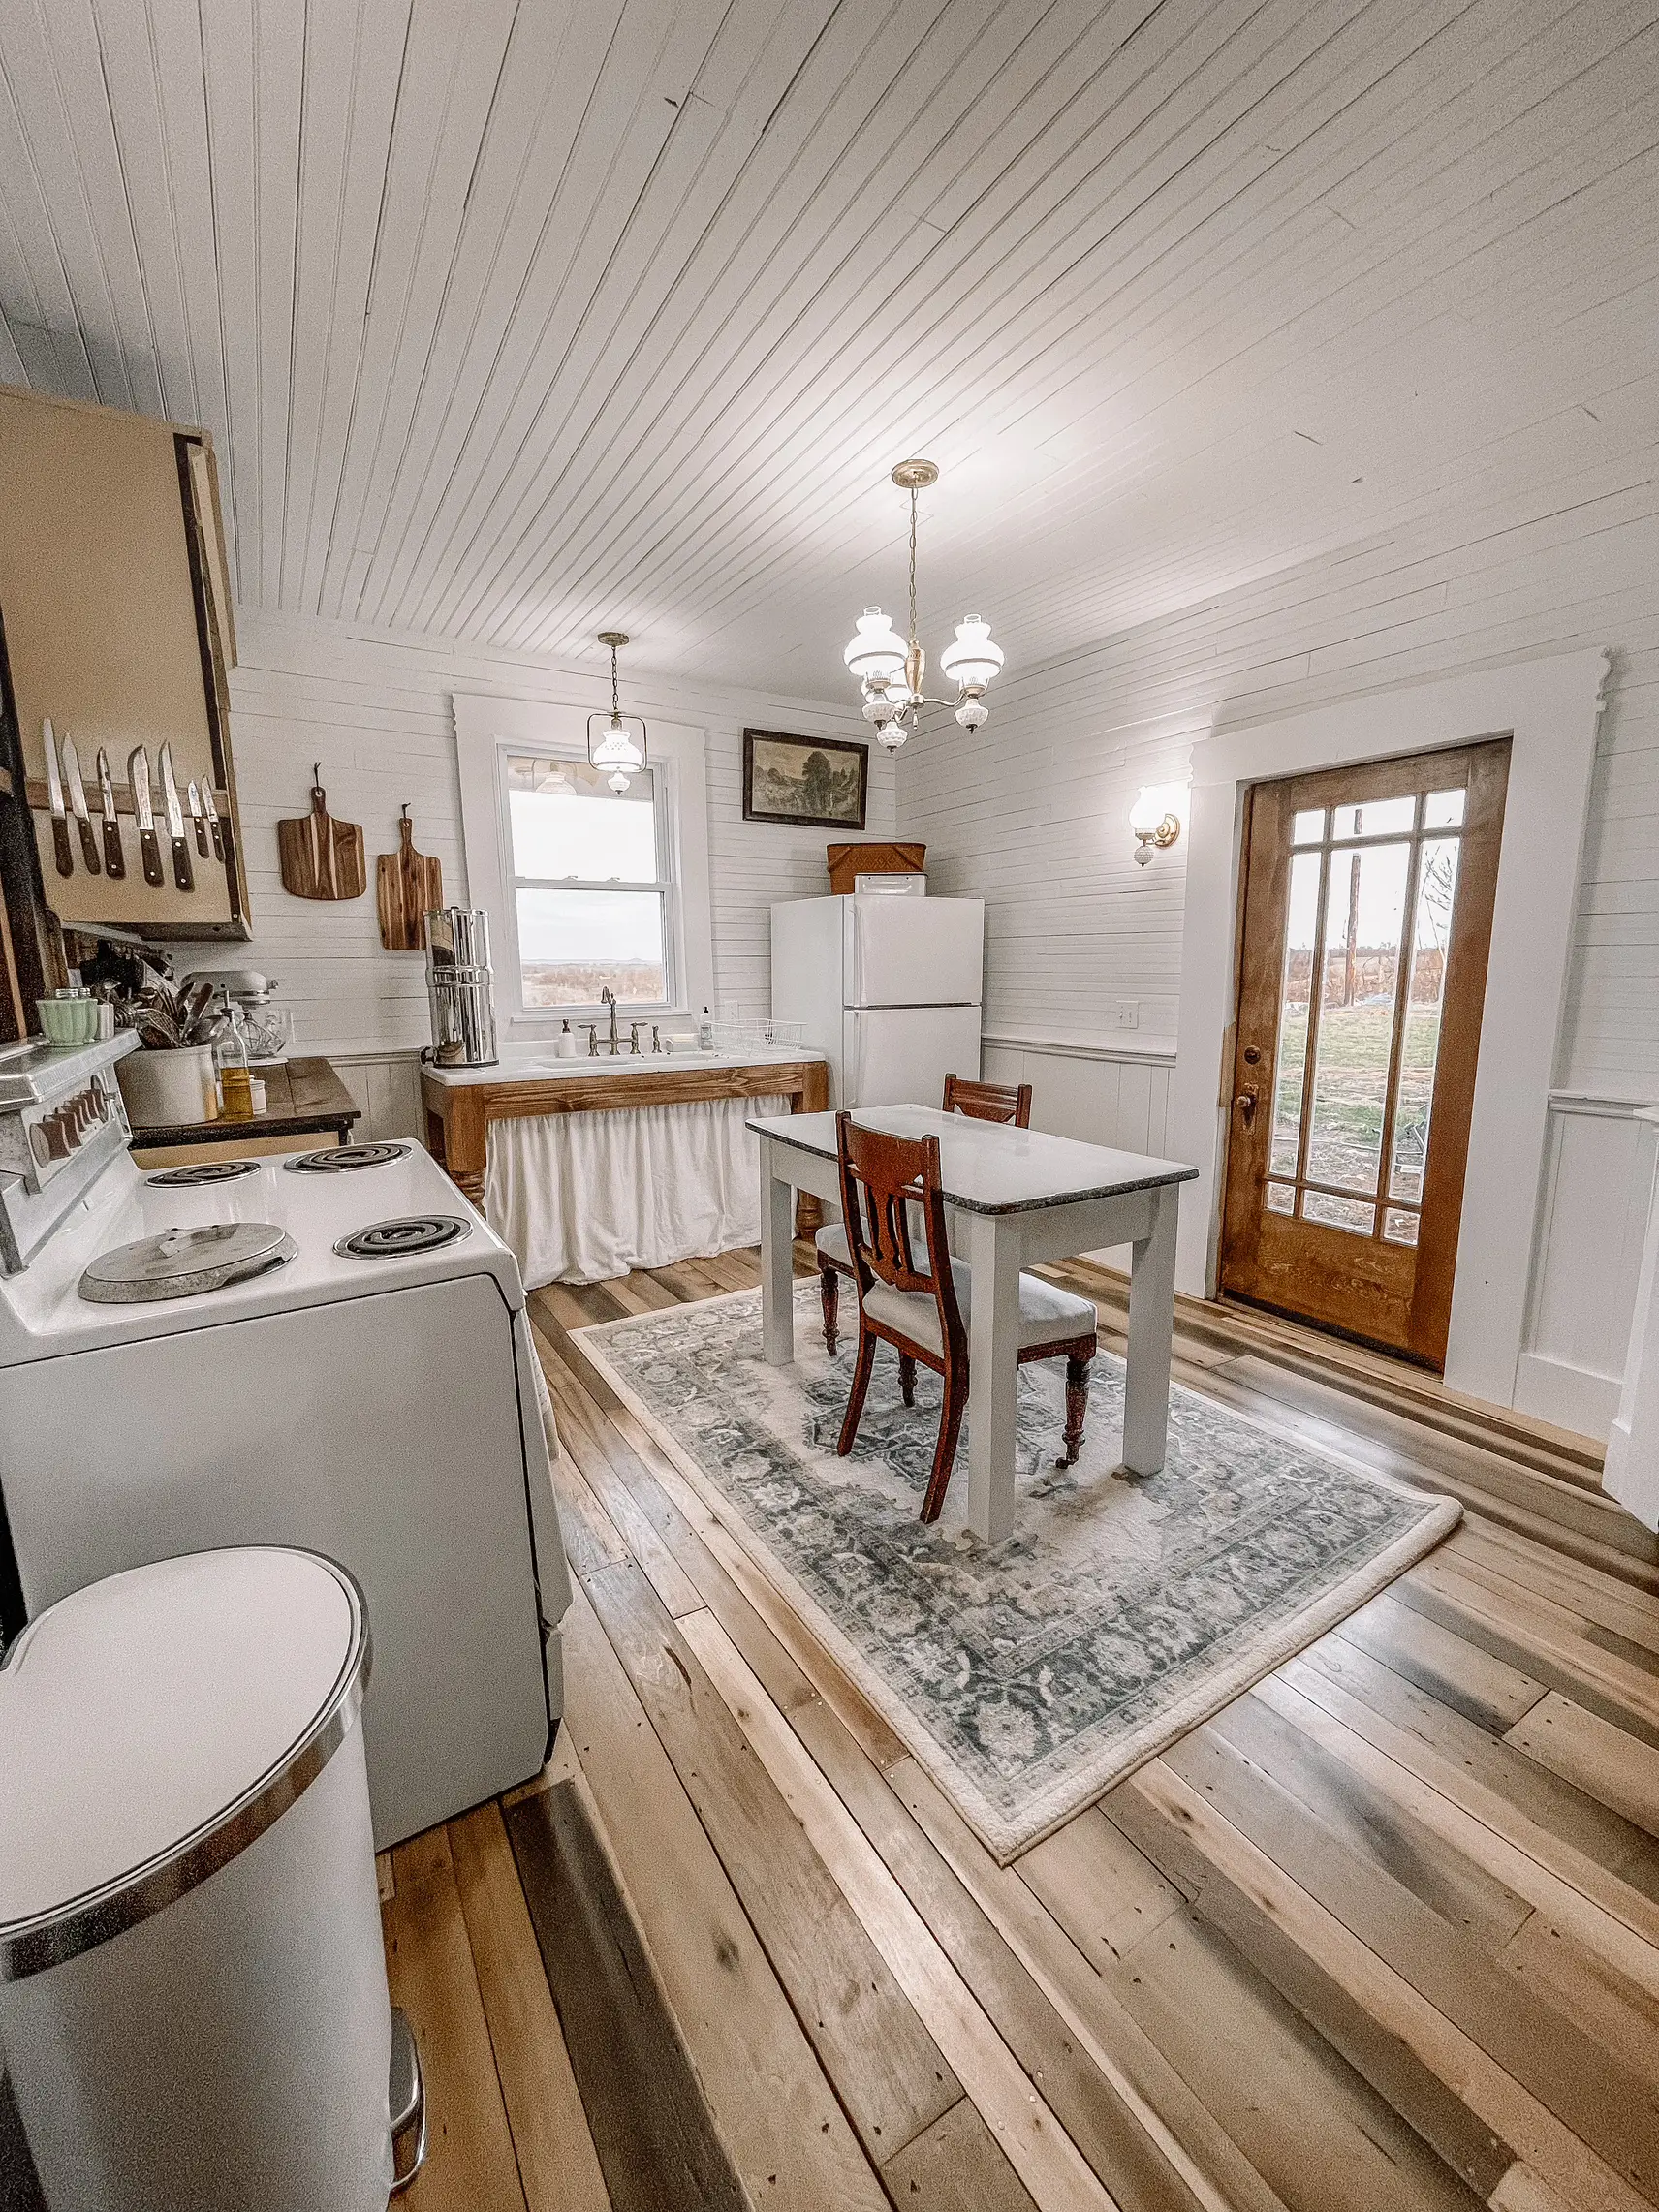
[891, 668]
[615, 748]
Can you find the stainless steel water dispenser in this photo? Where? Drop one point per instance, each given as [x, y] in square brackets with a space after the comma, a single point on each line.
[460, 988]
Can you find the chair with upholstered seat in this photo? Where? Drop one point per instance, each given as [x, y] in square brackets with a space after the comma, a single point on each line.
[977, 1102]
[894, 1216]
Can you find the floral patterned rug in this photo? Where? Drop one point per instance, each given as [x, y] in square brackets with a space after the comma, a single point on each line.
[1030, 1675]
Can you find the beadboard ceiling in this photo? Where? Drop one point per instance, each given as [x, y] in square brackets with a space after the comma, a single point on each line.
[516, 319]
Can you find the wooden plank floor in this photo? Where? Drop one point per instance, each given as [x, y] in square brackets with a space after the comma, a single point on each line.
[1384, 1933]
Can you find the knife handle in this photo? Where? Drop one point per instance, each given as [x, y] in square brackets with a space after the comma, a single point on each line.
[89, 847]
[149, 845]
[114, 859]
[182, 871]
[61, 852]
[201, 844]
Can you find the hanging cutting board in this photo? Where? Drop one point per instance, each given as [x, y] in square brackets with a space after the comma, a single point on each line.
[322, 857]
[408, 885]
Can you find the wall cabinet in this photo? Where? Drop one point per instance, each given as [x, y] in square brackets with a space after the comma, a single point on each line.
[115, 608]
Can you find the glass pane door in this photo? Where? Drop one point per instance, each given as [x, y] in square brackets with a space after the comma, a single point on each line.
[1367, 907]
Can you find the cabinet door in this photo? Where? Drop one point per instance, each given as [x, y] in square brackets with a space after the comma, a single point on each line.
[106, 583]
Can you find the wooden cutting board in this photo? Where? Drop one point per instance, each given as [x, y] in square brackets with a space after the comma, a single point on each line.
[322, 857]
[408, 885]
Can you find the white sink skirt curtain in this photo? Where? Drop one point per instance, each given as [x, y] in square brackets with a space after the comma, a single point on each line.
[582, 1198]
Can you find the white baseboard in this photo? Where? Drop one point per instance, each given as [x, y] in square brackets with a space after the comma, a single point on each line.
[1572, 1397]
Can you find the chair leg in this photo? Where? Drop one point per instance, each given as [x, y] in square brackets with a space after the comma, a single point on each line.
[1077, 1407]
[945, 1451]
[828, 1289]
[861, 1366]
[907, 1378]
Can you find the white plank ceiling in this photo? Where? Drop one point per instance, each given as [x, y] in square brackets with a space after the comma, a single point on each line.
[514, 319]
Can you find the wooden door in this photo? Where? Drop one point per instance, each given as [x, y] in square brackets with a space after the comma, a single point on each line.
[1367, 918]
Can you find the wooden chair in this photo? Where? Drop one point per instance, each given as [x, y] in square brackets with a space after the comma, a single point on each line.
[977, 1102]
[894, 1216]
[988, 1101]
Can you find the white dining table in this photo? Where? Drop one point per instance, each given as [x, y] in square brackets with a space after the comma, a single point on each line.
[1018, 1196]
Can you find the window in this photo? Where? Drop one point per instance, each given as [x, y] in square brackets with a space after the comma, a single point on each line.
[591, 891]
[586, 889]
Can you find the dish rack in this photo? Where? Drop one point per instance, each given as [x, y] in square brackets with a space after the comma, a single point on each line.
[734, 1033]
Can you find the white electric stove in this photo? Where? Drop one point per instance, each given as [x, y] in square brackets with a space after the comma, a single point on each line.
[330, 1350]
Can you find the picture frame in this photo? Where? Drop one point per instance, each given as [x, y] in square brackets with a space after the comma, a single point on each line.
[806, 783]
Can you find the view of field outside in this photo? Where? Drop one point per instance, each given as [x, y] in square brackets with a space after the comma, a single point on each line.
[1358, 966]
[570, 829]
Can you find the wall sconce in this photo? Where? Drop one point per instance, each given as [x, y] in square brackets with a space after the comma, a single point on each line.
[1157, 819]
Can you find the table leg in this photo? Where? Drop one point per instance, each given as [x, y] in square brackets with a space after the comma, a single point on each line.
[1151, 1328]
[993, 1373]
[777, 1261]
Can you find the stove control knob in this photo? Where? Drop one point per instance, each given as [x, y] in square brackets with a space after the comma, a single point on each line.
[40, 1143]
[52, 1128]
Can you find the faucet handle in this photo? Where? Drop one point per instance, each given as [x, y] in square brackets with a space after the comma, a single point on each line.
[656, 1040]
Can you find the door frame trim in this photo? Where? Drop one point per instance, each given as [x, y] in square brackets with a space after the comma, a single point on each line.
[1551, 708]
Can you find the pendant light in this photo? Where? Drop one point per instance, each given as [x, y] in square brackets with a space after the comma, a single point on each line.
[615, 748]
[891, 668]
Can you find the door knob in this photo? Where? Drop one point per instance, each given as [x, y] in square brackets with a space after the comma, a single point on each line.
[1245, 1103]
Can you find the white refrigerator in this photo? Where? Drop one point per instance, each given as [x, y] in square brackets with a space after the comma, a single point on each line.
[887, 988]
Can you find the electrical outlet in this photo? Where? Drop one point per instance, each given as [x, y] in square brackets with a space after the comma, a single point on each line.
[1129, 1014]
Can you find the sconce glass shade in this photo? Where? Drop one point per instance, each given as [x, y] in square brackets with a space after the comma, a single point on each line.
[971, 658]
[1156, 804]
[614, 747]
[878, 650]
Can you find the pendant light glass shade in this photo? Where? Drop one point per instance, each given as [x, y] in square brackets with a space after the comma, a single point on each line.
[615, 746]
[878, 650]
[971, 658]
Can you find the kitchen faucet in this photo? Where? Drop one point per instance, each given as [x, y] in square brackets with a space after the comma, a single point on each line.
[608, 997]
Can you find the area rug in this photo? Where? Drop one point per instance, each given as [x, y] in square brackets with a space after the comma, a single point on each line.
[1028, 1676]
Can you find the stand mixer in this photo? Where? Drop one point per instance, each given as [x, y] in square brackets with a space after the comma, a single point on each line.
[269, 1028]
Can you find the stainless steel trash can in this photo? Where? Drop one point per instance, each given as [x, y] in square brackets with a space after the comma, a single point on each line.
[192, 1996]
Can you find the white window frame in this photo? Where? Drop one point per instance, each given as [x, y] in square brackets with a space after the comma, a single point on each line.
[488, 730]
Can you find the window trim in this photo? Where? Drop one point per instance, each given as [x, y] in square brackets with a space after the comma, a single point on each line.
[488, 728]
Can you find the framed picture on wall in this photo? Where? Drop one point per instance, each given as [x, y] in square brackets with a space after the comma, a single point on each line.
[813, 783]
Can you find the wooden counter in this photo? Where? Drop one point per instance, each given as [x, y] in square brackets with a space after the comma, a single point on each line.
[305, 1104]
[458, 1114]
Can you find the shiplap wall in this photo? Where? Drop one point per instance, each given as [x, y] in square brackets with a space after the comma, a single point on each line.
[1030, 814]
[374, 710]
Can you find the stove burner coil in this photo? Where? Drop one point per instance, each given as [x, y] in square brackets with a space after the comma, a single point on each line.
[204, 1172]
[341, 1158]
[411, 1232]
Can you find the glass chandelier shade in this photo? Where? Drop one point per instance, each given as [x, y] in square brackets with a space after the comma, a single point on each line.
[611, 741]
[877, 651]
[971, 658]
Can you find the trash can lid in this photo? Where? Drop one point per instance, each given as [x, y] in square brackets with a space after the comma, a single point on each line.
[153, 1725]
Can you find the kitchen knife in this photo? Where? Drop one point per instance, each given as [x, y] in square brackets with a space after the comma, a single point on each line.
[61, 852]
[182, 874]
[114, 859]
[78, 807]
[138, 776]
[211, 807]
[198, 820]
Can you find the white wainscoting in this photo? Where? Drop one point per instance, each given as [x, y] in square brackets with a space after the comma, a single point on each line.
[1099, 1092]
[1597, 1171]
